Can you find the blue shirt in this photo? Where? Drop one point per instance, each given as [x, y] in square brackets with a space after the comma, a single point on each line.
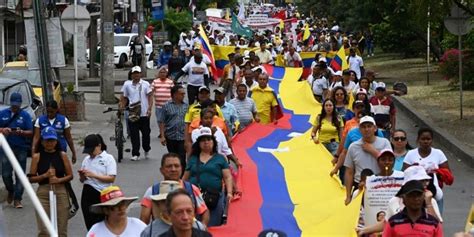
[354, 135]
[398, 163]
[164, 58]
[230, 115]
[22, 121]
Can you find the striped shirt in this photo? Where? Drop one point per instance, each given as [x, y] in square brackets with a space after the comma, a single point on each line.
[245, 110]
[162, 91]
[173, 118]
[400, 225]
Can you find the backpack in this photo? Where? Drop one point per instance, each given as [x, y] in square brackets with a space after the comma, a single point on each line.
[155, 189]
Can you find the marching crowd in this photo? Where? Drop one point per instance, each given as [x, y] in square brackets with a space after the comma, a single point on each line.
[357, 125]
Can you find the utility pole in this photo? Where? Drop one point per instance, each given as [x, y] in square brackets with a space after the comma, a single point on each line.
[43, 50]
[107, 75]
[141, 34]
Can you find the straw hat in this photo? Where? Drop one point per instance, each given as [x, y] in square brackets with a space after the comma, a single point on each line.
[109, 197]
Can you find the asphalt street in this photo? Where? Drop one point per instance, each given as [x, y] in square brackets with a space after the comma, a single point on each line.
[135, 177]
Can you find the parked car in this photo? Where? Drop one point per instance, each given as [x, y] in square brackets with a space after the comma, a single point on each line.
[122, 43]
[19, 70]
[31, 102]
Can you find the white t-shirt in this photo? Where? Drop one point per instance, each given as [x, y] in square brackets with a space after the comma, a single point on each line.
[134, 229]
[51, 121]
[103, 164]
[355, 63]
[318, 85]
[195, 72]
[430, 163]
[395, 205]
[265, 56]
[205, 59]
[137, 92]
[350, 87]
[222, 146]
[291, 59]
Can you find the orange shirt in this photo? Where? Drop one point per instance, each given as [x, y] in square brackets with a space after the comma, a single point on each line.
[216, 122]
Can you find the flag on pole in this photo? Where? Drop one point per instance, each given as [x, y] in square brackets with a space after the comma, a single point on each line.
[207, 50]
[306, 33]
[237, 28]
[339, 62]
[192, 6]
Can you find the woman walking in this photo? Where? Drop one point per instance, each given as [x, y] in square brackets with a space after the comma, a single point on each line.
[51, 169]
[327, 127]
[97, 172]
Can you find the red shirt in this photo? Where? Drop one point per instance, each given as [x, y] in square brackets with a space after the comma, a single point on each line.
[400, 225]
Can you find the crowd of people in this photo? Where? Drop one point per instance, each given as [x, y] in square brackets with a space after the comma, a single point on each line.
[356, 124]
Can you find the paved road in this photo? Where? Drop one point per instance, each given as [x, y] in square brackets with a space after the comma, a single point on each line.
[135, 177]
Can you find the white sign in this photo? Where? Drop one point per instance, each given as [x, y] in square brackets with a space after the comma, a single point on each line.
[378, 191]
[55, 42]
[82, 18]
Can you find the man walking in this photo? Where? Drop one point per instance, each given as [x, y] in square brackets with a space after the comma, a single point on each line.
[17, 127]
[140, 96]
[198, 74]
[245, 107]
[172, 123]
[265, 100]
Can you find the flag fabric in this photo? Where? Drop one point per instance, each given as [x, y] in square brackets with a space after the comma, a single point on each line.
[339, 62]
[238, 29]
[306, 33]
[241, 14]
[280, 15]
[192, 5]
[207, 50]
[282, 186]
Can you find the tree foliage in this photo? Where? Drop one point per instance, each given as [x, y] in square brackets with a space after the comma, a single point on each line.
[175, 22]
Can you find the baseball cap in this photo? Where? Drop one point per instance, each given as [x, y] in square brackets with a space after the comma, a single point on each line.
[136, 69]
[361, 91]
[167, 43]
[204, 131]
[380, 86]
[49, 133]
[90, 143]
[203, 88]
[323, 59]
[220, 90]
[367, 119]
[166, 186]
[15, 99]
[358, 102]
[272, 233]
[411, 186]
[415, 172]
[385, 151]
[337, 73]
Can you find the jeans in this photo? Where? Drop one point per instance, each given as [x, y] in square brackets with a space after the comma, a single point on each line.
[216, 213]
[192, 93]
[7, 172]
[332, 147]
[177, 147]
[158, 113]
[143, 126]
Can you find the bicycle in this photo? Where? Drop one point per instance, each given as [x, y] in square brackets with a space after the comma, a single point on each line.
[118, 138]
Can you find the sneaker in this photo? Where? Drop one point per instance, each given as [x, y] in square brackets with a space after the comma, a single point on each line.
[147, 154]
[17, 204]
[10, 198]
[135, 158]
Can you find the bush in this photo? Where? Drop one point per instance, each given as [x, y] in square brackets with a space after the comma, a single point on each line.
[449, 67]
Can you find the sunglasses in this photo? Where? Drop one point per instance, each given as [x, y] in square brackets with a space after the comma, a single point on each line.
[399, 139]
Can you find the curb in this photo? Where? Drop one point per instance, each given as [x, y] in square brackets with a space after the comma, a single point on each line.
[442, 137]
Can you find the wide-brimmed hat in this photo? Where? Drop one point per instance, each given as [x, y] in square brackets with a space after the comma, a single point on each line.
[109, 197]
[166, 186]
[415, 172]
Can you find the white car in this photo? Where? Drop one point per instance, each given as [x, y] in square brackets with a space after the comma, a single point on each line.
[122, 43]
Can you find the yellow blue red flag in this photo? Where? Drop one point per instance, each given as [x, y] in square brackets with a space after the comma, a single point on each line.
[339, 62]
[206, 49]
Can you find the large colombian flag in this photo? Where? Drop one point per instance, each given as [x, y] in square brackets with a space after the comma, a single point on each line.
[289, 189]
[207, 50]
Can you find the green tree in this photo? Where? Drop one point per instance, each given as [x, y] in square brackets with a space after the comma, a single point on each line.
[175, 23]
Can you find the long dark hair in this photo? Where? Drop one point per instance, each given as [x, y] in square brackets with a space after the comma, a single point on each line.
[196, 149]
[334, 116]
[408, 146]
[346, 99]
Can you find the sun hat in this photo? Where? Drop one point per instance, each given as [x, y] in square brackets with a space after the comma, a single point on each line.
[15, 99]
[415, 172]
[166, 186]
[49, 133]
[90, 143]
[109, 197]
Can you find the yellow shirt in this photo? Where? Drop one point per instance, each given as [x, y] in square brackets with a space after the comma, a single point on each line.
[328, 131]
[264, 100]
[194, 112]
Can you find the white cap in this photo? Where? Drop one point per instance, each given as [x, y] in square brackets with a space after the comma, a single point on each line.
[380, 85]
[367, 119]
[323, 59]
[415, 172]
[338, 73]
[167, 43]
[136, 69]
[204, 131]
[361, 91]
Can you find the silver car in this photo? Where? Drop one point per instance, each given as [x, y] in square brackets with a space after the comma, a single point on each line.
[31, 102]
